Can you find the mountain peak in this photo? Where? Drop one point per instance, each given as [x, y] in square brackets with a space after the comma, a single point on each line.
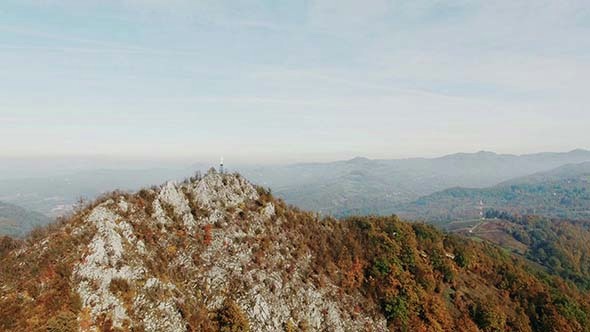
[471, 155]
[154, 259]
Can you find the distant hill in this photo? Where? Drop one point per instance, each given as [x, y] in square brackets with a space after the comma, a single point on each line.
[364, 186]
[563, 192]
[560, 173]
[16, 221]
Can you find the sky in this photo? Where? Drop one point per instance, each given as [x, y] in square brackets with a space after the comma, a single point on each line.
[292, 81]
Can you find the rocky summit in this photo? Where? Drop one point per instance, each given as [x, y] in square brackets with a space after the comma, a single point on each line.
[165, 258]
[216, 253]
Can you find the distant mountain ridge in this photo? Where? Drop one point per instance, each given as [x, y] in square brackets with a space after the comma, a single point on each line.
[559, 173]
[365, 186]
[359, 186]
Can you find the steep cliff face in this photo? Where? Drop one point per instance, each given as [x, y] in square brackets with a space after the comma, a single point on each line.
[175, 258]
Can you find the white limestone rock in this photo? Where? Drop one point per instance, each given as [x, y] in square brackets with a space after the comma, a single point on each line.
[268, 295]
[223, 190]
[158, 315]
[104, 263]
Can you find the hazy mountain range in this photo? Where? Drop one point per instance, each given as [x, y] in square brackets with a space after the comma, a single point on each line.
[363, 186]
[357, 186]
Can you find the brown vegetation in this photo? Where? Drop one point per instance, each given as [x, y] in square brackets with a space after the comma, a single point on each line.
[419, 278]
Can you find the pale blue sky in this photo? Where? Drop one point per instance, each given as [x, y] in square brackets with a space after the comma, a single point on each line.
[273, 81]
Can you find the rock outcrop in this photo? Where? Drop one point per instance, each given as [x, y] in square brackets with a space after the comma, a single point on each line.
[151, 261]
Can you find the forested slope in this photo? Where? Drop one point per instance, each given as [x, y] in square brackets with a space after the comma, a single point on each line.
[219, 254]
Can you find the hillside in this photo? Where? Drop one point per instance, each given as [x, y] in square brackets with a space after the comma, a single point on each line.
[560, 246]
[561, 193]
[217, 253]
[365, 186]
[16, 221]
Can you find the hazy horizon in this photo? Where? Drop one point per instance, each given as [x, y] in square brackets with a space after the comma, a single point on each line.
[97, 162]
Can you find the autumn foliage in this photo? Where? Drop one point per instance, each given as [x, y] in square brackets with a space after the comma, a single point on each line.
[424, 280]
[415, 276]
[207, 236]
